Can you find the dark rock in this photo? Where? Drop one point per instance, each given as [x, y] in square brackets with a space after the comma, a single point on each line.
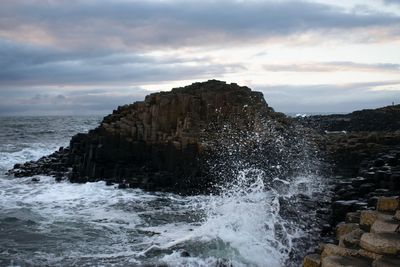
[379, 163]
[122, 186]
[341, 207]
[185, 254]
[166, 141]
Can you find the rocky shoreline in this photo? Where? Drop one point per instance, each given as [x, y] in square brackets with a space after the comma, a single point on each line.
[182, 140]
[364, 151]
[173, 140]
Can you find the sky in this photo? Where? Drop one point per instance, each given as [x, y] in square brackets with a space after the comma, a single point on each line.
[77, 57]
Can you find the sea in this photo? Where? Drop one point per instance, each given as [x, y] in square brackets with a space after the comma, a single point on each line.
[49, 223]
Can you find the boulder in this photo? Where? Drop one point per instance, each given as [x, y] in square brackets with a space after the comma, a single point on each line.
[381, 243]
[385, 226]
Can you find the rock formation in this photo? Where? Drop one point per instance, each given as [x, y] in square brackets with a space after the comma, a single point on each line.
[364, 148]
[349, 139]
[385, 119]
[163, 142]
[366, 238]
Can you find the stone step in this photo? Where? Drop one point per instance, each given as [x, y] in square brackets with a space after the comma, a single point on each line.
[387, 204]
[345, 261]
[368, 217]
[381, 243]
[385, 226]
[345, 228]
[351, 240]
[335, 250]
[353, 217]
[312, 260]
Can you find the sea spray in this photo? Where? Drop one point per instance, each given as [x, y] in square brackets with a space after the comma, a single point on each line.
[245, 223]
[258, 218]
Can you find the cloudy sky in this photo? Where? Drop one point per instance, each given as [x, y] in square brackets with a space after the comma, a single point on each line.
[88, 56]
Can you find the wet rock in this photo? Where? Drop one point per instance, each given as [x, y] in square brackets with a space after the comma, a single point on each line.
[223, 263]
[35, 179]
[185, 254]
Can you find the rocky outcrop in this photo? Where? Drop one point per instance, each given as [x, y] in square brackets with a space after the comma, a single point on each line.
[350, 139]
[378, 176]
[165, 141]
[365, 236]
[385, 119]
[378, 245]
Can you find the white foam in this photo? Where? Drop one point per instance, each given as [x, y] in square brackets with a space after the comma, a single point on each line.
[33, 152]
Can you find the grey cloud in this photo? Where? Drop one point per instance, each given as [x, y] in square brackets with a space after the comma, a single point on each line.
[97, 101]
[328, 97]
[395, 2]
[141, 24]
[332, 66]
[27, 64]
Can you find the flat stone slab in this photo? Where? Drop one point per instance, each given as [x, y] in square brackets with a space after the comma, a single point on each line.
[368, 217]
[389, 204]
[345, 261]
[334, 250]
[351, 240]
[381, 243]
[345, 228]
[312, 260]
[385, 226]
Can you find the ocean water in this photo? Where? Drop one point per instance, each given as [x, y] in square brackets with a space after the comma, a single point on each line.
[49, 223]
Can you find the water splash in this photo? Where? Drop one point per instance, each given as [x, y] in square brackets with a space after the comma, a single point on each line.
[253, 221]
[245, 224]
